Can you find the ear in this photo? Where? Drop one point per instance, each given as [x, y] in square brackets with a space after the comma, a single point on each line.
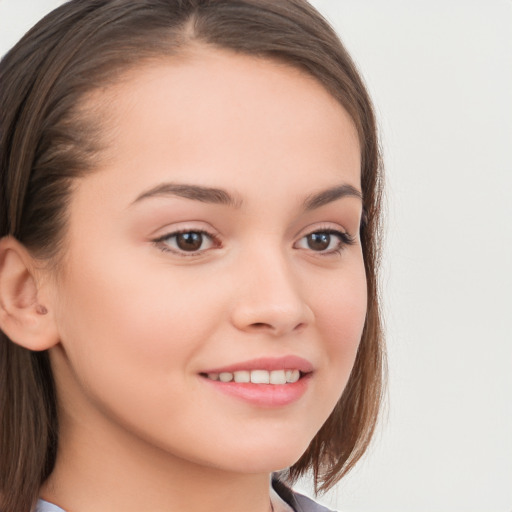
[24, 316]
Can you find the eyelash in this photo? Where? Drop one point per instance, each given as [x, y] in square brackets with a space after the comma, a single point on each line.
[164, 247]
[345, 239]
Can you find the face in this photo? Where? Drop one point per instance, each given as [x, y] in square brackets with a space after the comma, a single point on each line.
[217, 244]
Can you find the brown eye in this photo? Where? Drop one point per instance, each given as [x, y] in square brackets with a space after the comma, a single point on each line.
[318, 241]
[191, 241]
[327, 242]
[187, 242]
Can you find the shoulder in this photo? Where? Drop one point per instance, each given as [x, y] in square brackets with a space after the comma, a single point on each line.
[305, 504]
[297, 501]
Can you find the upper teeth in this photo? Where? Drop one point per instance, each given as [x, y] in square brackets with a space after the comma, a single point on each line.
[258, 376]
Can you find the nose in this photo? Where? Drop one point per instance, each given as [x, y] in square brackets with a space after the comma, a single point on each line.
[270, 299]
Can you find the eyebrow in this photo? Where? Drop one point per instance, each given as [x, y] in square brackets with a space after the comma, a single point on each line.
[194, 192]
[331, 194]
[222, 197]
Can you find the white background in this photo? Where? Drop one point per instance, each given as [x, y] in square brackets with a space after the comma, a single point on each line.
[440, 73]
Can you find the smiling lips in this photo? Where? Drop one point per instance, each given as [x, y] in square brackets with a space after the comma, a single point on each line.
[258, 376]
[265, 382]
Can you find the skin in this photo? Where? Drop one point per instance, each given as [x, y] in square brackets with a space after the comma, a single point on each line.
[138, 320]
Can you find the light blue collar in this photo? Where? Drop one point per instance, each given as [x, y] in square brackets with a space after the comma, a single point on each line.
[44, 506]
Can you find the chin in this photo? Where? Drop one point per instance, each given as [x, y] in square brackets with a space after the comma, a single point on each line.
[264, 458]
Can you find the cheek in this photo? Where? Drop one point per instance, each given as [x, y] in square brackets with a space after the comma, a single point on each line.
[130, 340]
[341, 315]
[131, 320]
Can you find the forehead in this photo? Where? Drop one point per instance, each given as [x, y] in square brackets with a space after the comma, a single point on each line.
[214, 114]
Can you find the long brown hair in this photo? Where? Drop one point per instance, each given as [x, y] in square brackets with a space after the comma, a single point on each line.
[48, 138]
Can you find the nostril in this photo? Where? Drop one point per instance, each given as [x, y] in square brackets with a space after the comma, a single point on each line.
[260, 325]
[263, 325]
[275, 318]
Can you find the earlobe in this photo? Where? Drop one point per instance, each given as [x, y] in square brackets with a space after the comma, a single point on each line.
[23, 317]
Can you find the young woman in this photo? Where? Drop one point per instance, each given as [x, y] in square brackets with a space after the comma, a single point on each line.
[188, 258]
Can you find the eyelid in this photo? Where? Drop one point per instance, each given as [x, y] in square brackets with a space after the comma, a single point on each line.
[159, 242]
[345, 238]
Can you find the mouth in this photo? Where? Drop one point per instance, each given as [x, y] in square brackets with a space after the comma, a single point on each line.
[277, 377]
[264, 382]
